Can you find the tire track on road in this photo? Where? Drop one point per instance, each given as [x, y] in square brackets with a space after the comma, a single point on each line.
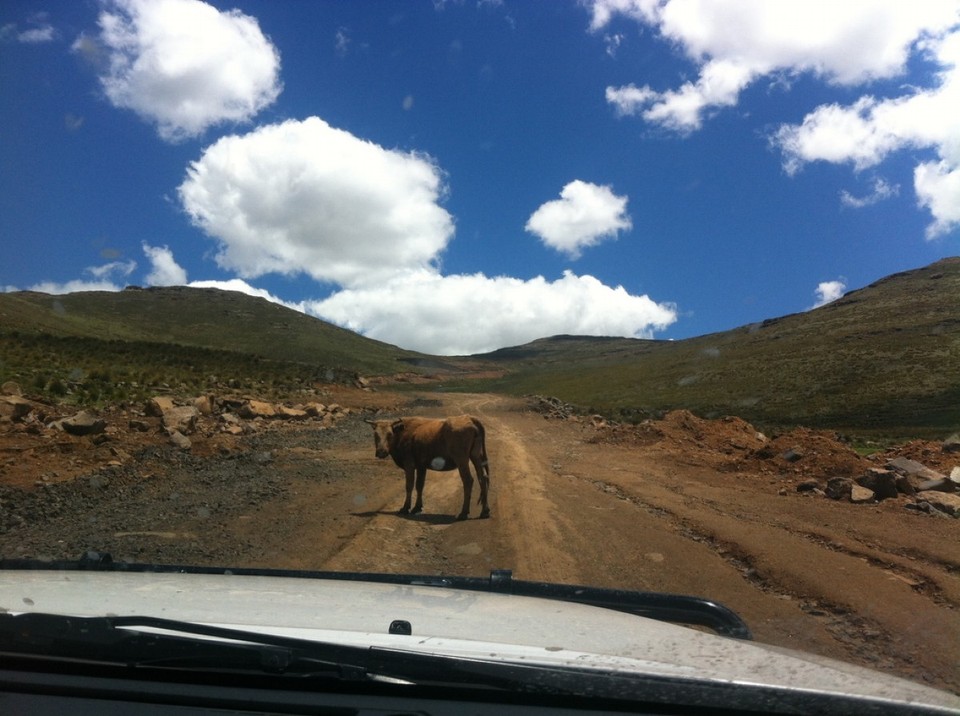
[539, 534]
[389, 542]
[859, 623]
[528, 532]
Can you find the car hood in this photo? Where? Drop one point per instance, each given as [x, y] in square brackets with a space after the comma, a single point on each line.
[454, 622]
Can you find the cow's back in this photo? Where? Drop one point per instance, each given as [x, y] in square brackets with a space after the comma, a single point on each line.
[421, 431]
[423, 439]
[462, 424]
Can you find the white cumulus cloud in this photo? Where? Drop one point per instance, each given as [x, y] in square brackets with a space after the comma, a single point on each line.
[39, 31]
[584, 215]
[37, 35]
[304, 197]
[241, 286]
[852, 43]
[185, 65]
[866, 132]
[880, 191]
[682, 109]
[828, 291]
[734, 42]
[102, 278]
[938, 189]
[165, 271]
[466, 314]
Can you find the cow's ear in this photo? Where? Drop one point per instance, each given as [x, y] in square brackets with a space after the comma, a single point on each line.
[397, 426]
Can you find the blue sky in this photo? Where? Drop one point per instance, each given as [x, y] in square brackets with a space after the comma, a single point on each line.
[454, 177]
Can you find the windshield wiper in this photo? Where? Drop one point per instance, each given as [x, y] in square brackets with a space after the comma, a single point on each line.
[147, 642]
[152, 643]
[144, 643]
[136, 642]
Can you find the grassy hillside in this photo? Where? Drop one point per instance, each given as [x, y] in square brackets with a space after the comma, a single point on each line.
[206, 318]
[886, 356]
[100, 345]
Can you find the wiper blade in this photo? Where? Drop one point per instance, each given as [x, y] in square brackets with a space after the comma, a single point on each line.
[135, 642]
[154, 642]
[186, 647]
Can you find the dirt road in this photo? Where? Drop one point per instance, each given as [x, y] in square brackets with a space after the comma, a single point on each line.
[871, 584]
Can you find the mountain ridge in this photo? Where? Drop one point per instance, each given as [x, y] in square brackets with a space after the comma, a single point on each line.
[883, 356]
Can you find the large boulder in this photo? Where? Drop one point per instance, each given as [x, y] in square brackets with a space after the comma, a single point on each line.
[11, 388]
[14, 408]
[181, 419]
[883, 483]
[315, 410]
[83, 423]
[950, 504]
[205, 404]
[252, 409]
[158, 405]
[912, 468]
[921, 478]
[859, 494]
[839, 488]
[180, 440]
[290, 413]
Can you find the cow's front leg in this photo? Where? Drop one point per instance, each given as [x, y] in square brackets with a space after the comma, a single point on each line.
[467, 479]
[406, 503]
[421, 478]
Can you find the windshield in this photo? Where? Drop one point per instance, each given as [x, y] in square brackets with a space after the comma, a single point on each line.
[642, 296]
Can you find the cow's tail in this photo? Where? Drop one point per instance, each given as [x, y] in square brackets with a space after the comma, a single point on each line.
[484, 462]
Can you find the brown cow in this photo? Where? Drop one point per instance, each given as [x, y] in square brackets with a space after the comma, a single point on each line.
[419, 444]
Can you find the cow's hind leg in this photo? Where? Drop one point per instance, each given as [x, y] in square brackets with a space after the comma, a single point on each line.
[421, 478]
[467, 479]
[406, 504]
[483, 477]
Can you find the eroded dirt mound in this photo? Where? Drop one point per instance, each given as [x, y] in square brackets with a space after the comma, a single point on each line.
[681, 428]
[727, 436]
[731, 443]
[815, 462]
[810, 453]
[929, 453]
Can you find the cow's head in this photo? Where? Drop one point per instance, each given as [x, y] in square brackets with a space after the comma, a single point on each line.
[384, 435]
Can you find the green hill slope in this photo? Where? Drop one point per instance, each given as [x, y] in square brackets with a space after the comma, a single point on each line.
[198, 317]
[101, 345]
[885, 356]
